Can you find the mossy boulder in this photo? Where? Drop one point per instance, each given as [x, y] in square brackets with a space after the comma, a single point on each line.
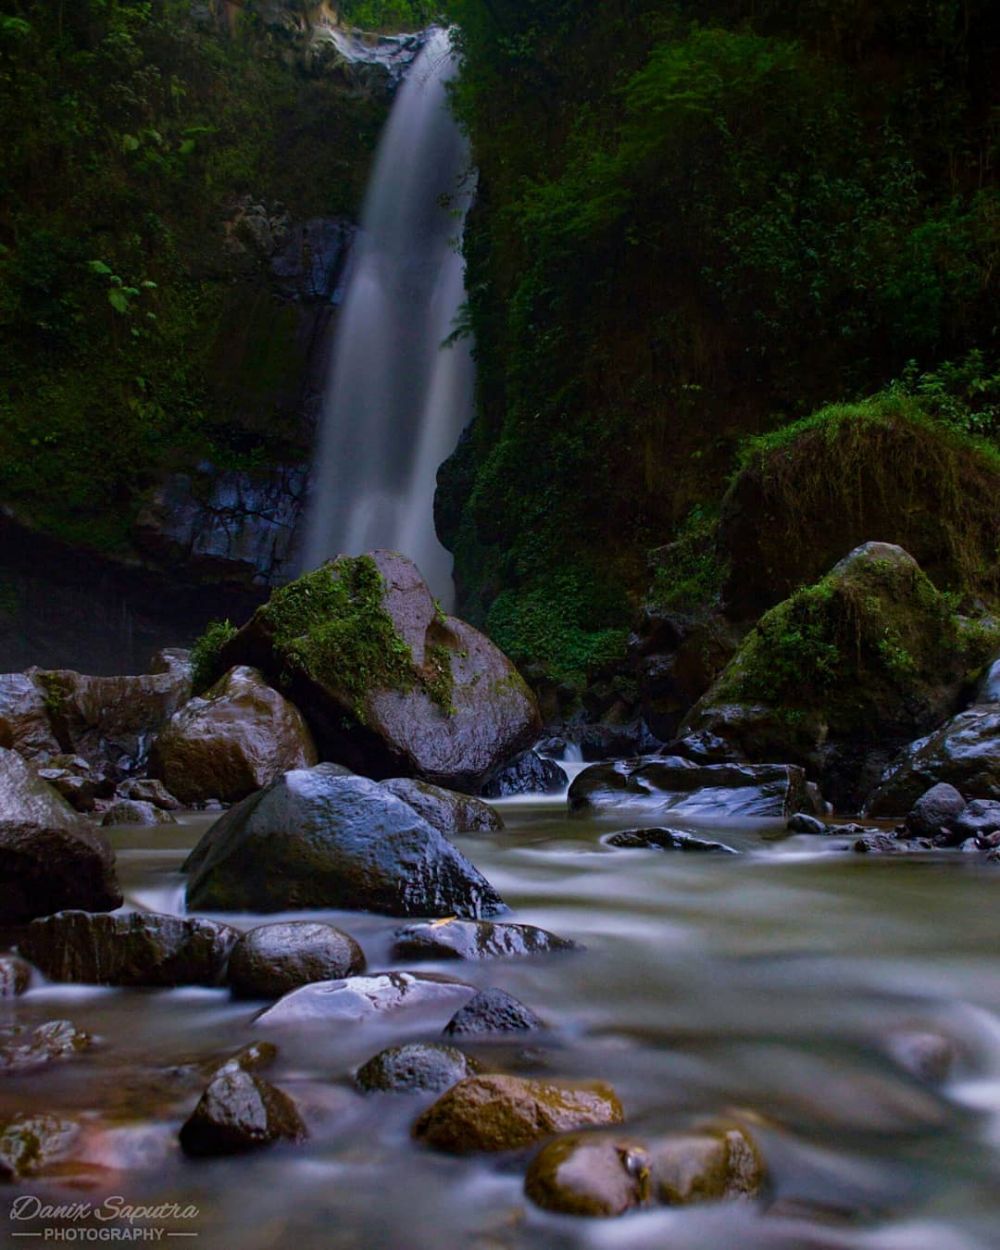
[845, 672]
[390, 686]
[236, 738]
[322, 838]
[811, 492]
[489, 1113]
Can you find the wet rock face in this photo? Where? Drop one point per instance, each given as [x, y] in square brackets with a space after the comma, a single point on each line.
[363, 997]
[475, 940]
[415, 1068]
[111, 721]
[223, 525]
[529, 773]
[978, 819]
[492, 1012]
[319, 838]
[24, 718]
[668, 840]
[446, 810]
[463, 711]
[31, 1143]
[241, 735]
[275, 959]
[239, 1112]
[675, 784]
[589, 1174]
[137, 948]
[937, 807]
[963, 753]
[50, 857]
[708, 1166]
[15, 976]
[148, 790]
[23, 1049]
[490, 1113]
[132, 812]
[79, 782]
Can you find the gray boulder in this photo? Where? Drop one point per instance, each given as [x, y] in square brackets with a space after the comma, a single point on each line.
[935, 808]
[320, 838]
[275, 959]
[447, 810]
[239, 1112]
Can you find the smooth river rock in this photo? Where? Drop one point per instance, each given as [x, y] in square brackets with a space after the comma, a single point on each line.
[318, 838]
[491, 1113]
[589, 1174]
[363, 997]
[239, 1112]
[529, 773]
[50, 857]
[414, 1068]
[474, 940]
[492, 1012]
[275, 959]
[237, 737]
[664, 839]
[137, 948]
[935, 808]
[447, 810]
[677, 785]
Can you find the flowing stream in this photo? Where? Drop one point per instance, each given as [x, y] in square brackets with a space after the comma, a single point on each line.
[767, 985]
[397, 398]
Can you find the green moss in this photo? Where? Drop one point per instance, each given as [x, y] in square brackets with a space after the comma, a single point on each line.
[331, 624]
[690, 573]
[206, 666]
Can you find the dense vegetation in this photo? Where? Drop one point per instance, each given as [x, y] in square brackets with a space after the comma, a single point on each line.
[131, 132]
[698, 223]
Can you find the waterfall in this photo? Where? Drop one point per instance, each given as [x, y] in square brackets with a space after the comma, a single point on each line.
[396, 399]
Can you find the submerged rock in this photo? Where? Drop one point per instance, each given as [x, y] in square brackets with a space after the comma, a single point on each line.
[490, 1113]
[925, 1055]
[448, 811]
[669, 840]
[319, 838]
[803, 822]
[841, 675]
[15, 976]
[134, 812]
[238, 1112]
[492, 1011]
[31, 1143]
[414, 1068]
[390, 686]
[705, 1166]
[963, 753]
[138, 948]
[22, 1049]
[529, 773]
[474, 939]
[673, 784]
[362, 997]
[236, 738]
[50, 857]
[589, 1174]
[275, 959]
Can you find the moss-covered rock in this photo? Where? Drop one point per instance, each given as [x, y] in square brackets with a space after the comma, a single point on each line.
[30, 1143]
[491, 1113]
[706, 1166]
[809, 493]
[389, 685]
[845, 672]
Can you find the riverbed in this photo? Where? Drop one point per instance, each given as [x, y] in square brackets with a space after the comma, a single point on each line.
[768, 987]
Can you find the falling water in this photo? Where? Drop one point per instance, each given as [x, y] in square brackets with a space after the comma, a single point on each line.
[397, 399]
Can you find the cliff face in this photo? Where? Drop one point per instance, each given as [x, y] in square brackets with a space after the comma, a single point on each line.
[697, 223]
[179, 200]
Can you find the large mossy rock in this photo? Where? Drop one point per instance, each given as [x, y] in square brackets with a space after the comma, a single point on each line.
[815, 490]
[236, 738]
[50, 857]
[844, 673]
[321, 838]
[390, 686]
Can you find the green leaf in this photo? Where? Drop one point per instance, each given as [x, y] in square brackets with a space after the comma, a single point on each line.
[118, 300]
[98, 266]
